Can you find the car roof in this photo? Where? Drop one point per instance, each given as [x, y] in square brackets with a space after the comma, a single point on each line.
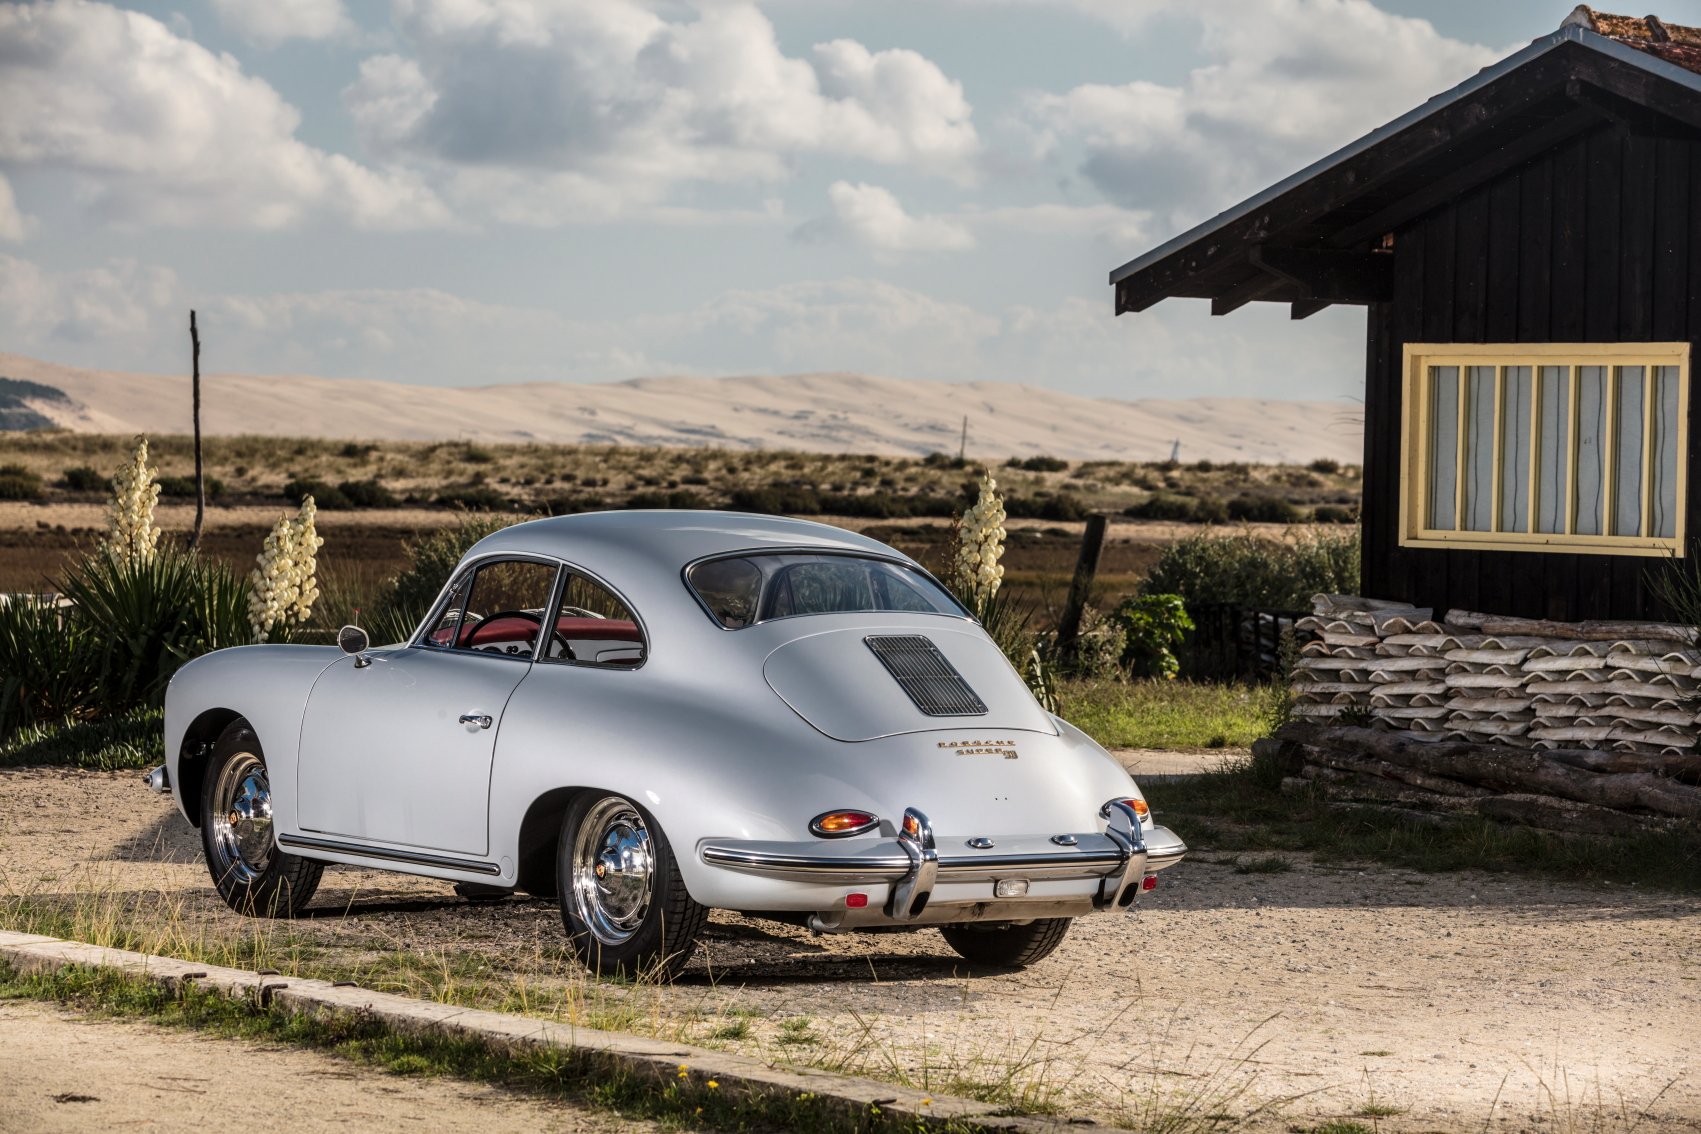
[669, 539]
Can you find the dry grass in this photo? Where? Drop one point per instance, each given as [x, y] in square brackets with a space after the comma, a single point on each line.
[538, 476]
[1029, 1072]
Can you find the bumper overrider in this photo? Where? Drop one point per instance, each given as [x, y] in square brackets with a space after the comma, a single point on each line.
[1008, 878]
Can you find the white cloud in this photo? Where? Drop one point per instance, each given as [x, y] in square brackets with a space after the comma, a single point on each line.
[268, 23]
[1287, 81]
[152, 128]
[873, 217]
[1105, 223]
[602, 104]
[117, 309]
[129, 316]
[13, 224]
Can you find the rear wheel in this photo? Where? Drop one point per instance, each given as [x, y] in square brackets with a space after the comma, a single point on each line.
[622, 899]
[1004, 945]
[252, 874]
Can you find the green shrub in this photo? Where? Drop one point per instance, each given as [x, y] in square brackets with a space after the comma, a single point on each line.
[1059, 506]
[1248, 570]
[1328, 466]
[571, 505]
[48, 667]
[132, 740]
[943, 461]
[1040, 463]
[1335, 514]
[185, 486]
[1209, 510]
[1179, 509]
[474, 498]
[430, 560]
[370, 493]
[774, 500]
[1153, 625]
[679, 498]
[326, 497]
[19, 483]
[85, 479]
[1263, 510]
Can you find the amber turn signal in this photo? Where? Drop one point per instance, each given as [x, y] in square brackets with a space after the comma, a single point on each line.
[1139, 806]
[843, 824]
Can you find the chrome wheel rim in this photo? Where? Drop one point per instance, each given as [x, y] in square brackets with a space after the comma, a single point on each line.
[242, 818]
[613, 870]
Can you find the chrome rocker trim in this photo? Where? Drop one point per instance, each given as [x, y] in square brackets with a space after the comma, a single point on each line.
[356, 850]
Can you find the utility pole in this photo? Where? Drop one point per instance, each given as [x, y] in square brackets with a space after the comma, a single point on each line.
[200, 478]
[963, 449]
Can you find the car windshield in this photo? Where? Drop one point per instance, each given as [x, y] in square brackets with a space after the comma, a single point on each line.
[748, 589]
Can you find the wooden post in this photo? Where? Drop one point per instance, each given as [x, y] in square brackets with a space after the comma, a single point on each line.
[200, 478]
[1080, 587]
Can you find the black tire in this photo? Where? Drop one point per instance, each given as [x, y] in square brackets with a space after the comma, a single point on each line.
[624, 905]
[1002, 945]
[253, 875]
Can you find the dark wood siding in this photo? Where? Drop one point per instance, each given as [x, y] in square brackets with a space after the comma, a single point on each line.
[1591, 242]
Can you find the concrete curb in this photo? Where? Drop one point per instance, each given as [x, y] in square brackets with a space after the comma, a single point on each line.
[651, 1059]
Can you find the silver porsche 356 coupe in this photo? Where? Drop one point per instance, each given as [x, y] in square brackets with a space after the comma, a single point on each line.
[652, 714]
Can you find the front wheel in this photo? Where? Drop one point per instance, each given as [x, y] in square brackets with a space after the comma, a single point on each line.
[623, 902]
[252, 874]
[1005, 945]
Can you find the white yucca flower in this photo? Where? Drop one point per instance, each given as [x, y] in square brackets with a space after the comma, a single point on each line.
[283, 585]
[980, 544]
[130, 533]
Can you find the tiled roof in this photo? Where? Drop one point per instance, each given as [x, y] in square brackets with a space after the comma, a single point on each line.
[1674, 43]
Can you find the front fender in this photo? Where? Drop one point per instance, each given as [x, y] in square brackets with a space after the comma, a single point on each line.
[268, 686]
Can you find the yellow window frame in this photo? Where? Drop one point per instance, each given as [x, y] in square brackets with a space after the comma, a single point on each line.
[1416, 433]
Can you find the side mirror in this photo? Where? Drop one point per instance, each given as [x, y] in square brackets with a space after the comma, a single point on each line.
[354, 640]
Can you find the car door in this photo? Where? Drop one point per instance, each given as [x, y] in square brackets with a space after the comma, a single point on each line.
[398, 751]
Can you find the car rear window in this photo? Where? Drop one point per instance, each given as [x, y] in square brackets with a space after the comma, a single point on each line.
[743, 590]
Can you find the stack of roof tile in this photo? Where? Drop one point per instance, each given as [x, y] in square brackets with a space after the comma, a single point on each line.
[1627, 687]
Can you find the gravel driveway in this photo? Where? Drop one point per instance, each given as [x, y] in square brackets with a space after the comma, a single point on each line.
[1398, 1000]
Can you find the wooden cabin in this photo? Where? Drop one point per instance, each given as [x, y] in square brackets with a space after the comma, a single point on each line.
[1528, 249]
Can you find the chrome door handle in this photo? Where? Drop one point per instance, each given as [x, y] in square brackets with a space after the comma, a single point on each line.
[482, 720]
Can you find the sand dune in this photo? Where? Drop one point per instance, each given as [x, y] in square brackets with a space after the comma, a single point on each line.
[816, 412]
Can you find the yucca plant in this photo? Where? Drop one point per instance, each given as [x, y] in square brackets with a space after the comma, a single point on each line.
[47, 670]
[145, 618]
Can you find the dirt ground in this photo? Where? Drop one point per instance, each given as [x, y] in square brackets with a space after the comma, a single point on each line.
[1404, 1002]
[63, 1073]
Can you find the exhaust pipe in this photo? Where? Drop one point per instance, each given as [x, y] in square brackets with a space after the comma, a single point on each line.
[158, 780]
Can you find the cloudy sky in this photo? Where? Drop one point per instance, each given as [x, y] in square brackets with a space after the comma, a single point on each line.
[462, 192]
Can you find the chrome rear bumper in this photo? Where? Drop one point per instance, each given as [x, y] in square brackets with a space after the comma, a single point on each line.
[1117, 859]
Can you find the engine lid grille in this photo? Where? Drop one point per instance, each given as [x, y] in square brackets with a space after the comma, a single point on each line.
[931, 681]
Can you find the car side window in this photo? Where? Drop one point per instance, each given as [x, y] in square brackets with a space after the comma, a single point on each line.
[497, 608]
[593, 627]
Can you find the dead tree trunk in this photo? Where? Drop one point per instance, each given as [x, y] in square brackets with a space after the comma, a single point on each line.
[200, 476]
[1080, 588]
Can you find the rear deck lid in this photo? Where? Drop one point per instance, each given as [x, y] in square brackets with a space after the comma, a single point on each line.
[871, 682]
